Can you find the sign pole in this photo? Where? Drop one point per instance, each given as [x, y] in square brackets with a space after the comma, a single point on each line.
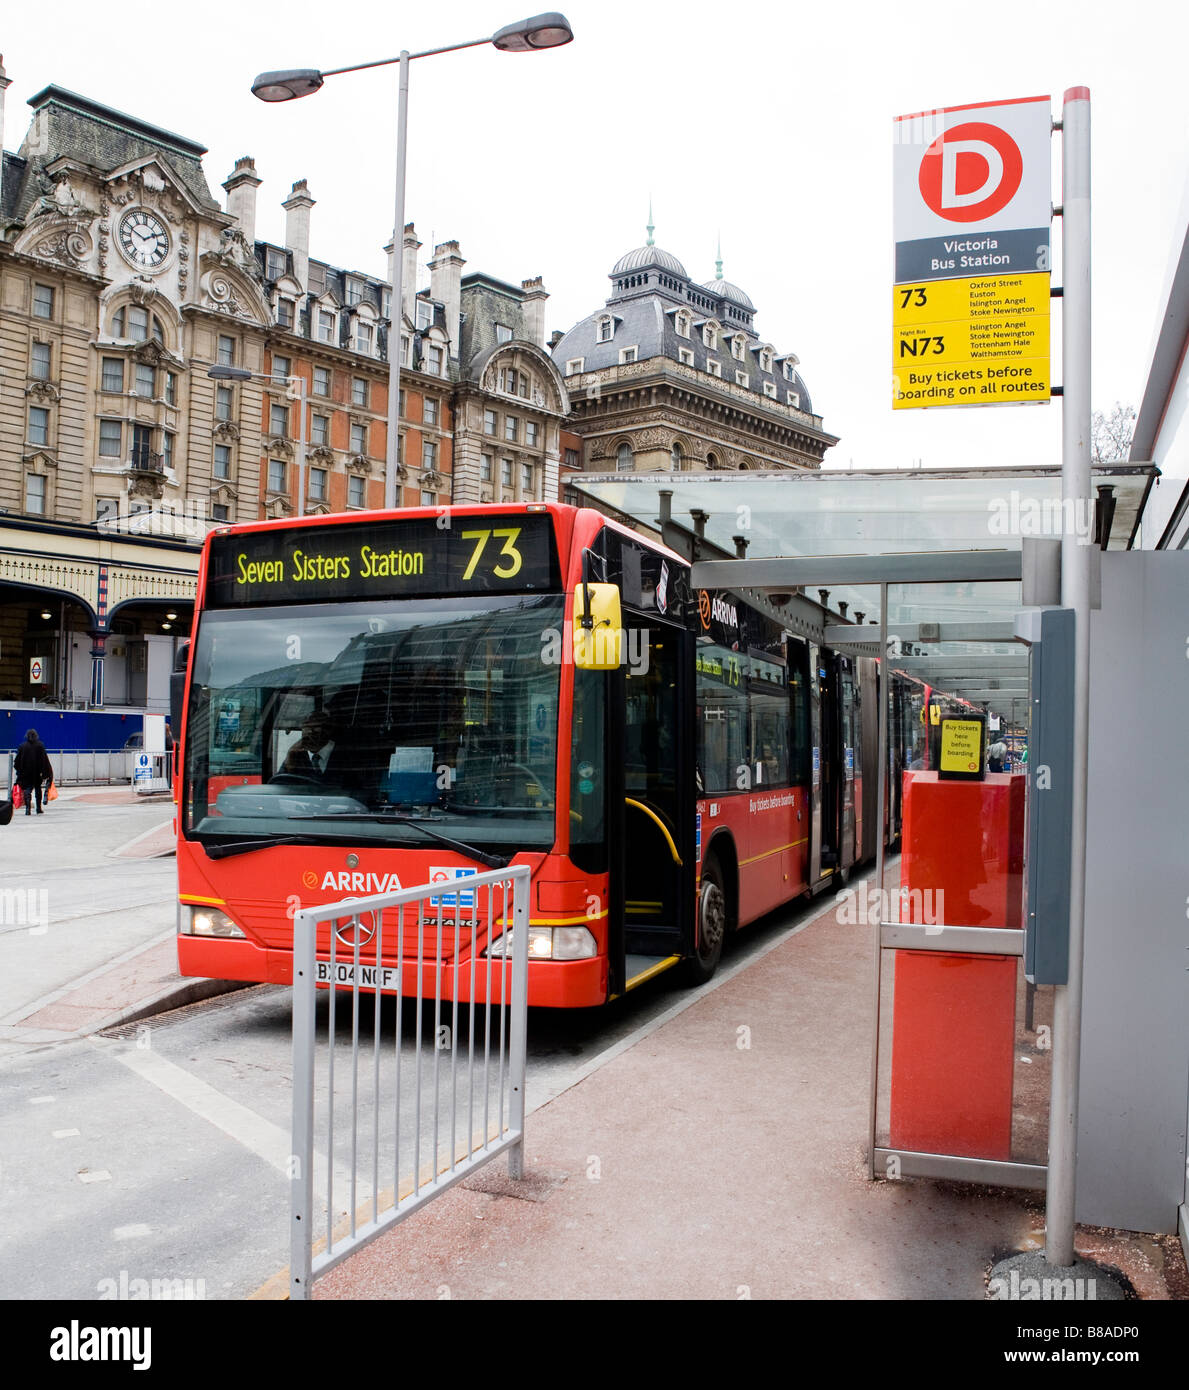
[1075, 594]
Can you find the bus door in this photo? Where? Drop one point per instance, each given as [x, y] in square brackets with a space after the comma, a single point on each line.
[653, 863]
[848, 754]
[821, 846]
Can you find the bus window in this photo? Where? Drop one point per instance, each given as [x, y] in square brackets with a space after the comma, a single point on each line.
[588, 763]
[722, 720]
[769, 739]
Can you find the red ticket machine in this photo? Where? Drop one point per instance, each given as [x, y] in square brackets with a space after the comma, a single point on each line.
[954, 1013]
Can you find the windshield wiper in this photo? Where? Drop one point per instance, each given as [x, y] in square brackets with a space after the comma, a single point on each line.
[225, 849]
[492, 861]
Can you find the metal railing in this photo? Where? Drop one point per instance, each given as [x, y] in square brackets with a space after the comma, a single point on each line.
[85, 767]
[432, 1121]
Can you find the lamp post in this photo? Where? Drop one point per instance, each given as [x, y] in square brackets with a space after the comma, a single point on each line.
[296, 391]
[549, 30]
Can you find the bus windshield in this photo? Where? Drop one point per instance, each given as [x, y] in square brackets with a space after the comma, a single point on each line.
[367, 721]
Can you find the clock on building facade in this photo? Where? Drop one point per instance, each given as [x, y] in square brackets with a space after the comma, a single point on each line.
[143, 239]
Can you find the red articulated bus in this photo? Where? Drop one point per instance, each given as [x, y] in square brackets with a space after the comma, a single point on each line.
[382, 700]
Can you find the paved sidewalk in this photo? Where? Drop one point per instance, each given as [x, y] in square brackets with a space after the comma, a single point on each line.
[722, 1157]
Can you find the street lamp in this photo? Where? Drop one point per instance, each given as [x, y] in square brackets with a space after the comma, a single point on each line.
[541, 31]
[297, 390]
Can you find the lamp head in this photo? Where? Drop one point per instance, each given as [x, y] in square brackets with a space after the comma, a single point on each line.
[286, 84]
[221, 373]
[541, 31]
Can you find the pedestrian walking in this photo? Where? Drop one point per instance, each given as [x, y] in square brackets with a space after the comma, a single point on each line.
[33, 771]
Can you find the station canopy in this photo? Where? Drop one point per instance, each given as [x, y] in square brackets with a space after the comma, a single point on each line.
[846, 531]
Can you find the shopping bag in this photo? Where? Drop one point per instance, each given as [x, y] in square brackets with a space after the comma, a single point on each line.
[18, 796]
[52, 794]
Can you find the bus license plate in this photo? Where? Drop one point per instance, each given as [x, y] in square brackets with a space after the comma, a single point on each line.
[344, 974]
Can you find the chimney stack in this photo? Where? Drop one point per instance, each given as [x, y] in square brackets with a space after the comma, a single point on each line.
[241, 189]
[535, 295]
[408, 274]
[297, 231]
[5, 82]
[445, 285]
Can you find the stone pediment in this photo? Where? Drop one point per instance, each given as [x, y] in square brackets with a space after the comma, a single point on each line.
[319, 508]
[149, 183]
[360, 463]
[278, 446]
[152, 354]
[226, 429]
[39, 459]
[321, 454]
[42, 391]
[228, 287]
[223, 493]
[276, 507]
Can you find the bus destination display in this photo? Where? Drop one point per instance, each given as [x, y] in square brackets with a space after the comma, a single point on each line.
[389, 559]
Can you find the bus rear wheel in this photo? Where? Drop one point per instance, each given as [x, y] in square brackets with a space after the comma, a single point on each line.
[712, 926]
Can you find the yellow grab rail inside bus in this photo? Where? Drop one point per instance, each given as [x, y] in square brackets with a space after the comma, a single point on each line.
[652, 815]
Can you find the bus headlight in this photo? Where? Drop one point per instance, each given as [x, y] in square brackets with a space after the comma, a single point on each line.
[550, 943]
[209, 921]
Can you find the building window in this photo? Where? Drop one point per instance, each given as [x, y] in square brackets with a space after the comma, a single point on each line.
[358, 438]
[574, 365]
[709, 337]
[400, 448]
[532, 433]
[146, 380]
[571, 459]
[226, 353]
[485, 468]
[400, 409]
[35, 493]
[280, 367]
[431, 410]
[489, 422]
[737, 347]
[285, 309]
[506, 472]
[386, 304]
[623, 459]
[424, 315]
[766, 360]
[113, 375]
[364, 334]
[325, 326]
[713, 367]
[790, 372]
[321, 381]
[433, 361]
[132, 323]
[686, 355]
[606, 330]
[276, 475]
[223, 402]
[43, 302]
[526, 480]
[278, 419]
[676, 458]
[354, 292]
[681, 324]
[429, 499]
[355, 491]
[222, 461]
[219, 512]
[406, 350]
[320, 429]
[511, 428]
[171, 388]
[39, 425]
[278, 263]
[770, 389]
[317, 484]
[794, 399]
[627, 354]
[39, 362]
[742, 379]
[111, 438]
[358, 390]
[429, 455]
[167, 449]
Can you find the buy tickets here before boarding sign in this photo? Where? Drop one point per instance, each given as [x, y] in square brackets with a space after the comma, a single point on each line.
[971, 213]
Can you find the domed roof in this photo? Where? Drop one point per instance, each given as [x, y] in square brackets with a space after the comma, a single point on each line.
[648, 256]
[723, 289]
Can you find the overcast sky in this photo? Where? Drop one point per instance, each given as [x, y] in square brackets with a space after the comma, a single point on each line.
[770, 124]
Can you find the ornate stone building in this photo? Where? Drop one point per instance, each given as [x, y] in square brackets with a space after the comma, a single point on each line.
[671, 375]
[122, 282]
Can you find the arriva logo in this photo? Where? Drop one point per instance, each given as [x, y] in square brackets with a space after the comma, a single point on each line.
[346, 881]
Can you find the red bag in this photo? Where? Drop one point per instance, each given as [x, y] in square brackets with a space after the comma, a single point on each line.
[18, 796]
[52, 793]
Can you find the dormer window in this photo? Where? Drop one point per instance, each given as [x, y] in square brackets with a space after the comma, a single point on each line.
[354, 291]
[325, 326]
[285, 309]
[681, 323]
[770, 390]
[628, 354]
[790, 369]
[765, 359]
[278, 263]
[606, 328]
[574, 366]
[794, 399]
[737, 347]
[364, 336]
[424, 315]
[742, 379]
[710, 336]
[713, 367]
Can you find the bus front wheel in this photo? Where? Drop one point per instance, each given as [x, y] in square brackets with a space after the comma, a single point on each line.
[712, 926]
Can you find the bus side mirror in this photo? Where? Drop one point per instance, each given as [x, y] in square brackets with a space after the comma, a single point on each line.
[598, 633]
